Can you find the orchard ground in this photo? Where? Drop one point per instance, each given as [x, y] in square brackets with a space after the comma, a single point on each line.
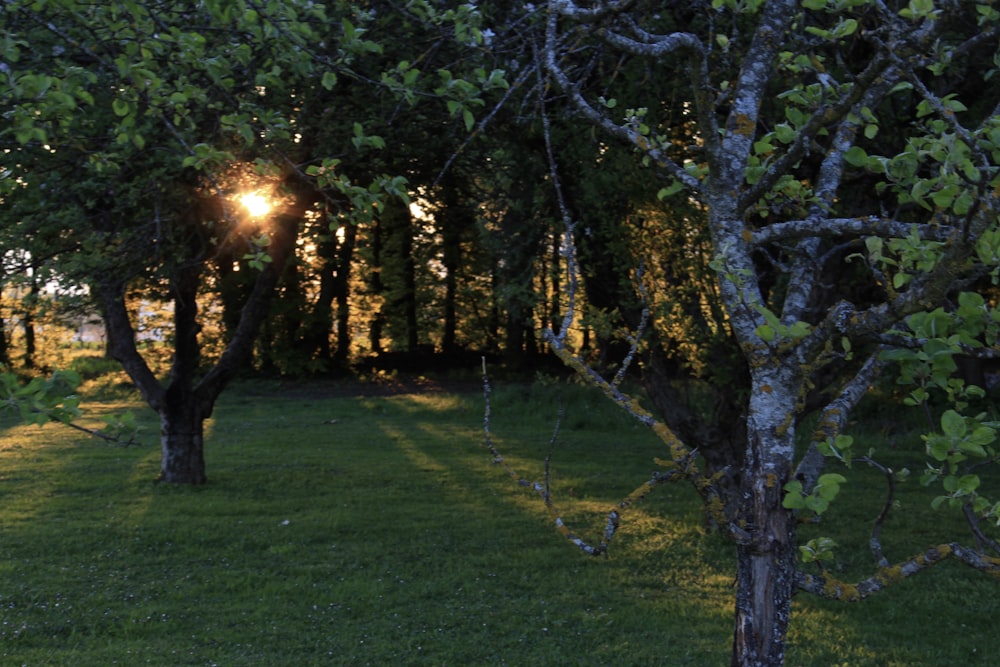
[364, 524]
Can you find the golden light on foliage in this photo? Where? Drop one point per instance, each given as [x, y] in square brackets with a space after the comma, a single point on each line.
[256, 204]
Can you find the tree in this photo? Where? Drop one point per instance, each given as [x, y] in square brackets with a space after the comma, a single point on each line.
[122, 124]
[845, 171]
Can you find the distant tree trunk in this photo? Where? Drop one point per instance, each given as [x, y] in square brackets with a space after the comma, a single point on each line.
[316, 333]
[376, 288]
[451, 258]
[493, 318]
[232, 289]
[28, 323]
[399, 274]
[342, 295]
[331, 309]
[4, 345]
[513, 346]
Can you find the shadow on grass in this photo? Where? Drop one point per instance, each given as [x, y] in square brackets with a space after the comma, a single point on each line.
[375, 531]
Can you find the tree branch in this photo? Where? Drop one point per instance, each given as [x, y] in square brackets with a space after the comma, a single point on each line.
[833, 419]
[831, 588]
[625, 132]
[793, 230]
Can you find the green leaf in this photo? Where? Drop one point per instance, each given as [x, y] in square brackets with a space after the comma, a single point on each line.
[329, 80]
[856, 156]
[793, 496]
[799, 330]
[785, 133]
[817, 504]
[971, 448]
[846, 28]
[670, 190]
[121, 108]
[953, 424]
[765, 332]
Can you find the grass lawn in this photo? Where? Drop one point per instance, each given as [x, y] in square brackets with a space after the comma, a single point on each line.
[354, 530]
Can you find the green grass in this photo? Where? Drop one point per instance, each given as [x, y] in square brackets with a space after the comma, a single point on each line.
[375, 531]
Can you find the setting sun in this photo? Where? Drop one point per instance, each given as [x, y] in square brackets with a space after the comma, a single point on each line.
[256, 204]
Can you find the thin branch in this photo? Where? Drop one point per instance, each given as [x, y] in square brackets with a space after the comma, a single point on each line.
[635, 338]
[107, 437]
[820, 119]
[613, 521]
[599, 11]
[833, 419]
[572, 273]
[485, 121]
[874, 540]
[623, 132]
[831, 588]
[548, 457]
[851, 227]
[982, 539]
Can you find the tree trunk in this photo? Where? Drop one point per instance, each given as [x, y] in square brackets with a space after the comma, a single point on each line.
[399, 275]
[4, 344]
[30, 308]
[451, 257]
[182, 443]
[765, 571]
[342, 297]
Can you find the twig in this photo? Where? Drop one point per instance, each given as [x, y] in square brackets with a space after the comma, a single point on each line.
[874, 541]
[982, 539]
[97, 434]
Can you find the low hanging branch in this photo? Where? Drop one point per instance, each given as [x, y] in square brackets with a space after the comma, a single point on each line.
[543, 489]
[54, 399]
[832, 588]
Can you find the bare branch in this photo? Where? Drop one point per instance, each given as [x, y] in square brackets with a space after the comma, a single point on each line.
[839, 227]
[624, 132]
[833, 419]
[106, 437]
[875, 541]
[635, 338]
[660, 46]
[831, 588]
[599, 11]
[982, 539]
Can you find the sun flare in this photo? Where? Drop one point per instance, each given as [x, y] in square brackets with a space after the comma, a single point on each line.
[256, 204]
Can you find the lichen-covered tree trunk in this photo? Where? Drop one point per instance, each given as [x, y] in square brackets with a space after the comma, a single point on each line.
[765, 570]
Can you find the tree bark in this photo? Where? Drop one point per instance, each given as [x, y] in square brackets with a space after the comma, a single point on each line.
[765, 572]
[182, 441]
